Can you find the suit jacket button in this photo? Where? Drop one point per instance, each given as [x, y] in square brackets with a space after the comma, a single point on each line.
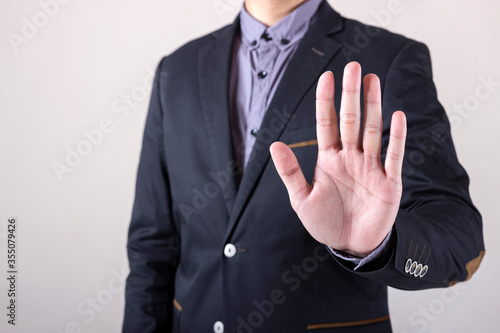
[230, 250]
[218, 327]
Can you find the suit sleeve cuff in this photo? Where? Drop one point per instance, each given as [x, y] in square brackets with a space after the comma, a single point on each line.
[382, 249]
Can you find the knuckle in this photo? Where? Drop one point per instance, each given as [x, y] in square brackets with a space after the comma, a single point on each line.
[398, 136]
[394, 156]
[349, 118]
[290, 172]
[325, 121]
[372, 128]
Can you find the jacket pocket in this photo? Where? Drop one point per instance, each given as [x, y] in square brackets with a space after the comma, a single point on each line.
[373, 325]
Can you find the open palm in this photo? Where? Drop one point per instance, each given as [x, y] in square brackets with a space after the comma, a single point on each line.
[353, 200]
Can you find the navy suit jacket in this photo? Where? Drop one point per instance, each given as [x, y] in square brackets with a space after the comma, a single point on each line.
[209, 246]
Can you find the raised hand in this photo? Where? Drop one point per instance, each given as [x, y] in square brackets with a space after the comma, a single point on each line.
[353, 200]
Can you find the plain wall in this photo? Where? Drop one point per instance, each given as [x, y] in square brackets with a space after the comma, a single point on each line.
[89, 64]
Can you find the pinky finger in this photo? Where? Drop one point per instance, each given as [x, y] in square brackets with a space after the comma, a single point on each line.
[396, 149]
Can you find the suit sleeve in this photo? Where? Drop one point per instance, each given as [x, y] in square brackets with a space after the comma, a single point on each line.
[153, 241]
[437, 237]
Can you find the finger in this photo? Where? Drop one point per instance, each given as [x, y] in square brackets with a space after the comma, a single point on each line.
[350, 112]
[326, 117]
[289, 170]
[372, 122]
[396, 148]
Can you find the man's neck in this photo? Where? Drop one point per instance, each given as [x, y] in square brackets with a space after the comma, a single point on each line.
[270, 12]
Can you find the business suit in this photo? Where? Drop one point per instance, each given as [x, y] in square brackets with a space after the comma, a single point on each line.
[209, 246]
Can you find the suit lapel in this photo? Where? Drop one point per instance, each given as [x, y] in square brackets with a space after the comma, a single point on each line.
[314, 53]
[214, 73]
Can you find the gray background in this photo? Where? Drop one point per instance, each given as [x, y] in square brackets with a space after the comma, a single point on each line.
[88, 65]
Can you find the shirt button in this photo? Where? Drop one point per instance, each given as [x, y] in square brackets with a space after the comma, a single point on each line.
[254, 132]
[253, 43]
[230, 250]
[266, 37]
[219, 327]
[262, 74]
[284, 41]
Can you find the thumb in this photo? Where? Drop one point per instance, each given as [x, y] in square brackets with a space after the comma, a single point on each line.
[289, 170]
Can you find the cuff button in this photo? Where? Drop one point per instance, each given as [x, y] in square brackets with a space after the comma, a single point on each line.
[424, 270]
[418, 270]
[413, 267]
[408, 265]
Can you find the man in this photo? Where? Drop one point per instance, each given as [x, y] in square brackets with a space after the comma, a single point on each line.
[216, 241]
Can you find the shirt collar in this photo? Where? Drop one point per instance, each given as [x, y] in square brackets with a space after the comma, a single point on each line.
[285, 33]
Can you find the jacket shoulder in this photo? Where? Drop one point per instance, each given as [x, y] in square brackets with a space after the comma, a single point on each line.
[362, 33]
[374, 47]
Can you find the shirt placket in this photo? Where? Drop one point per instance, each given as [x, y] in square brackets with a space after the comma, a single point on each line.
[264, 58]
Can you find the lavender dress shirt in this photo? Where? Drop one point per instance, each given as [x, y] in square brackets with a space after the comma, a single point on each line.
[260, 57]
